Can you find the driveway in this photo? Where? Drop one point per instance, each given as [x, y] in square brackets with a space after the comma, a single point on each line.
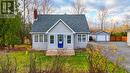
[122, 48]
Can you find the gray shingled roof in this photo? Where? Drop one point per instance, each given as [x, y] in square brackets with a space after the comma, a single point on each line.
[77, 23]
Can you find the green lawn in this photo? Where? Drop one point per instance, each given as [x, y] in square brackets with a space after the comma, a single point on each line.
[78, 62]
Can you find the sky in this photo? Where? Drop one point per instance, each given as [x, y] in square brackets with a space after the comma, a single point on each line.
[118, 9]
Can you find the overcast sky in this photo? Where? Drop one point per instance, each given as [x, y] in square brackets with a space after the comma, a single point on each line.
[118, 9]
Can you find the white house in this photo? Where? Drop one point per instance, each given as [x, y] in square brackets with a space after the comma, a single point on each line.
[53, 32]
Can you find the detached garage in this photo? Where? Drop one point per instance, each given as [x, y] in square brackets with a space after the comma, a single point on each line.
[102, 36]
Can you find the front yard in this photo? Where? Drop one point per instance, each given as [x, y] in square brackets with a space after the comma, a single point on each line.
[77, 62]
[32, 62]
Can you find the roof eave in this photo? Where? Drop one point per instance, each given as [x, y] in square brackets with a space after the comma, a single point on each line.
[83, 32]
[37, 32]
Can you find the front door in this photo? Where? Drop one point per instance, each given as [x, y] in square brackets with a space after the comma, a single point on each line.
[60, 41]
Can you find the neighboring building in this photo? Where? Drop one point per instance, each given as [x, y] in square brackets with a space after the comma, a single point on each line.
[128, 37]
[102, 36]
[52, 32]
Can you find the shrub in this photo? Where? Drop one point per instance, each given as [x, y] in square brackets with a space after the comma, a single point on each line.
[119, 34]
[8, 65]
[100, 63]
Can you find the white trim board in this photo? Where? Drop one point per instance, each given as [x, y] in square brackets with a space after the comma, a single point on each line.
[37, 32]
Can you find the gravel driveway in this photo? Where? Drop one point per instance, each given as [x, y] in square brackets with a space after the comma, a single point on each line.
[121, 47]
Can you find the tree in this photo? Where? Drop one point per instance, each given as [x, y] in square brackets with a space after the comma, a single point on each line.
[48, 6]
[27, 18]
[78, 7]
[127, 20]
[102, 16]
[3, 30]
[10, 28]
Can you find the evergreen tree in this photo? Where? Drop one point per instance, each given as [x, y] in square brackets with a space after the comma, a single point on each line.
[10, 29]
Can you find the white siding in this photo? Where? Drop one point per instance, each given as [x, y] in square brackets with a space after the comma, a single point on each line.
[128, 38]
[81, 44]
[70, 46]
[60, 28]
[103, 37]
[108, 38]
[38, 45]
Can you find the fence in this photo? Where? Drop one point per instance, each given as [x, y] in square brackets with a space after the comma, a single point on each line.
[118, 38]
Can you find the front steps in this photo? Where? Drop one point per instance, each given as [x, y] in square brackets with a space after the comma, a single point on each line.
[53, 52]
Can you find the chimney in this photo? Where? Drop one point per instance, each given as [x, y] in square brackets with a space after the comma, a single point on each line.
[35, 13]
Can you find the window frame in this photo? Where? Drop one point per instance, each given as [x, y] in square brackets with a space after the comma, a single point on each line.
[79, 38]
[69, 39]
[83, 37]
[45, 38]
[36, 38]
[41, 38]
[52, 40]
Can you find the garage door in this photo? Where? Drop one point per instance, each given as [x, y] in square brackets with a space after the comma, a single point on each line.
[101, 38]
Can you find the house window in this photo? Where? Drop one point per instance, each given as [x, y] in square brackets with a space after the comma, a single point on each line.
[52, 39]
[79, 38]
[69, 39]
[83, 38]
[45, 38]
[40, 38]
[36, 38]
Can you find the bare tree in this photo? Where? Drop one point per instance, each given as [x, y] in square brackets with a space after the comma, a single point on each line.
[48, 6]
[127, 20]
[102, 16]
[26, 10]
[78, 7]
[113, 25]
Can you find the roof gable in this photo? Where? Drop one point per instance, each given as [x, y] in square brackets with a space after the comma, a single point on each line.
[60, 28]
[77, 23]
[101, 32]
[60, 20]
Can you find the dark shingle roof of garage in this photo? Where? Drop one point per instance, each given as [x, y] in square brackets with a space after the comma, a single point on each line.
[77, 23]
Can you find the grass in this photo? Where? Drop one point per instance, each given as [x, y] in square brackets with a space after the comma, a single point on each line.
[78, 62]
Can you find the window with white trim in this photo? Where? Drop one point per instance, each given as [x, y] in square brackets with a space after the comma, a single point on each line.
[83, 38]
[45, 38]
[51, 39]
[41, 38]
[36, 38]
[69, 39]
[79, 38]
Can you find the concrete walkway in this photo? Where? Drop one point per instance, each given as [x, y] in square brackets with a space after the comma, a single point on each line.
[122, 48]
